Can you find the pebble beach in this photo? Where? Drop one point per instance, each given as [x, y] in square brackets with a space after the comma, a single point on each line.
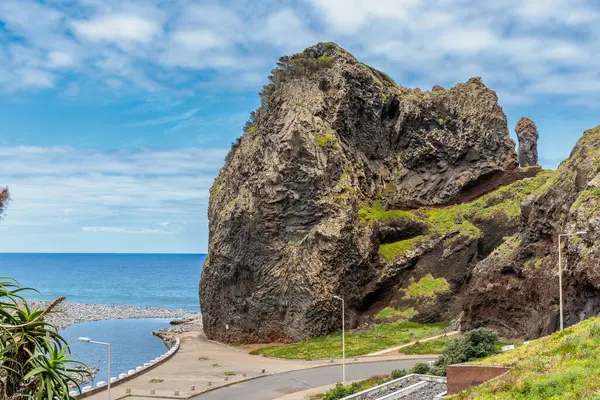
[68, 313]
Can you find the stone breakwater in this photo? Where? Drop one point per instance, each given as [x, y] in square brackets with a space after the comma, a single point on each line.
[71, 313]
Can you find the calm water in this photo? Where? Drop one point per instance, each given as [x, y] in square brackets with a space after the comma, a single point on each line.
[145, 280]
[132, 343]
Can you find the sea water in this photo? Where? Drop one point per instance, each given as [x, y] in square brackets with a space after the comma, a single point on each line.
[144, 280]
[132, 341]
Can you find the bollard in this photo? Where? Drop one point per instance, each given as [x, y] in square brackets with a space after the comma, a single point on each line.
[331, 361]
[263, 371]
[152, 391]
[176, 393]
[209, 383]
[192, 388]
[127, 391]
[226, 378]
[244, 374]
[355, 358]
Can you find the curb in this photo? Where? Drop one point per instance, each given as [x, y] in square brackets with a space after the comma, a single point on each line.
[151, 365]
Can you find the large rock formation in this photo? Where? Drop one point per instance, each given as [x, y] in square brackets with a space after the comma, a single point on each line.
[515, 290]
[528, 136]
[321, 197]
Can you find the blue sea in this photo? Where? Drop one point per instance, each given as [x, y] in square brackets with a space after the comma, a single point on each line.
[144, 280]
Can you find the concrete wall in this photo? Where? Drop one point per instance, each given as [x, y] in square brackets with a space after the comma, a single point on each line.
[461, 377]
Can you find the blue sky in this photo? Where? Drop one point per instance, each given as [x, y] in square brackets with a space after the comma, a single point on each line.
[116, 115]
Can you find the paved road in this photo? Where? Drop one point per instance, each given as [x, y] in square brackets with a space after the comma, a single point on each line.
[274, 386]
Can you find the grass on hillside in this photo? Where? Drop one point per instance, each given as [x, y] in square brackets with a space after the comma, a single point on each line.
[504, 201]
[389, 313]
[564, 365]
[437, 346]
[378, 337]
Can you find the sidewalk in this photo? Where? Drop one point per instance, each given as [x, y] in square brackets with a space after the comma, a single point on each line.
[207, 365]
[395, 349]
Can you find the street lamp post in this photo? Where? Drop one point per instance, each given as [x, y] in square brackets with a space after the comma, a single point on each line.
[343, 340]
[560, 295]
[88, 340]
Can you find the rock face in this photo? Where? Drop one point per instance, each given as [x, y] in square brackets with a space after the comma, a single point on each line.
[515, 290]
[4, 197]
[335, 189]
[528, 136]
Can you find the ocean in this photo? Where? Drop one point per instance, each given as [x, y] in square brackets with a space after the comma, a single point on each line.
[144, 280]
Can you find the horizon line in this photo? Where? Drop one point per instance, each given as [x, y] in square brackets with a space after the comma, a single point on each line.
[109, 253]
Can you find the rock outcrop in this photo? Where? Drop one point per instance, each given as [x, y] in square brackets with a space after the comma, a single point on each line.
[515, 290]
[345, 183]
[3, 199]
[528, 136]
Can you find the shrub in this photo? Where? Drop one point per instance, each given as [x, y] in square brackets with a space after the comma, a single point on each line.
[420, 368]
[338, 392]
[399, 373]
[477, 343]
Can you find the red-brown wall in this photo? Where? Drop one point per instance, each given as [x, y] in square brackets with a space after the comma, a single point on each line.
[461, 377]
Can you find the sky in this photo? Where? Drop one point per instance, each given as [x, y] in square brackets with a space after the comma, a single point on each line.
[116, 115]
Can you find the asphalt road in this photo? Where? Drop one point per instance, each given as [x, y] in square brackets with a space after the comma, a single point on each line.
[274, 386]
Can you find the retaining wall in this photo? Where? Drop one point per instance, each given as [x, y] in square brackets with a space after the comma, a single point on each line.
[460, 377]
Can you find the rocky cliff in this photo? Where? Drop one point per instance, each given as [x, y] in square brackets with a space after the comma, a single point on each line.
[345, 183]
[515, 290]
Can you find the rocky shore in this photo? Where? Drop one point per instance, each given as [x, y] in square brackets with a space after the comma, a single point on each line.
[70, 313]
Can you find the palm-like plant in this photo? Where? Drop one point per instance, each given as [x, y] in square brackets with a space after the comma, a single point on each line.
[34, 359]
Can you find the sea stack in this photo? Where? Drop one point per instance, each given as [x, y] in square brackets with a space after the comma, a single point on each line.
[528, 136]
[319, 197]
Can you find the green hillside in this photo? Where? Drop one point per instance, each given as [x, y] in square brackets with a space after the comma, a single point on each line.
[564, 365]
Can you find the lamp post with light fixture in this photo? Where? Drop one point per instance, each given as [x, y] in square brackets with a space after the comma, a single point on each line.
[88, 340]
[560, 294]
[343, 340]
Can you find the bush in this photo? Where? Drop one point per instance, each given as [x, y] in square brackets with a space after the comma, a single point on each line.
[399, 373]
[338, 392]
[477, 343]
[420, 368]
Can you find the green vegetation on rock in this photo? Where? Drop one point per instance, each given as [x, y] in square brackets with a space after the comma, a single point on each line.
[460, 219]
[428, 286]
[563, 365]
[390, 313]
[326, 139]
[394, 250]
[378, 337]
[377, 213]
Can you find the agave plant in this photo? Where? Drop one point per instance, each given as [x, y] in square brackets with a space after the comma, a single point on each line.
[34, 358]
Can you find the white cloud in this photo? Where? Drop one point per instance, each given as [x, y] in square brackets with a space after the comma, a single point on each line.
[117, 28]
[60, 59]
[120, 229]
[167, 120]
[190, 47]
[99, 191]
[198, 40]
[37, 78]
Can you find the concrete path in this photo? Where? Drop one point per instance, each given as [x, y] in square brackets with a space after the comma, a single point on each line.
[395, 349]
[205, 365]
[275, 386]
